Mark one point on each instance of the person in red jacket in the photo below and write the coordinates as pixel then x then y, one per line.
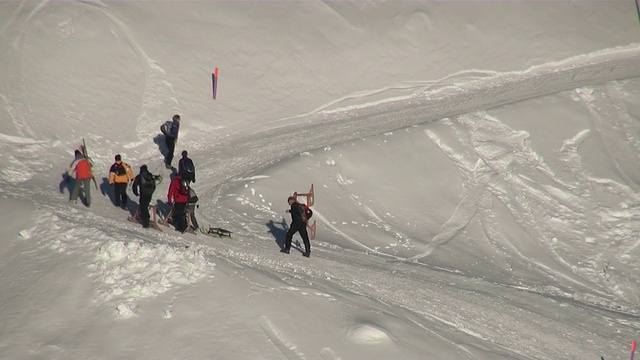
pixel 178 197
pixel 80 169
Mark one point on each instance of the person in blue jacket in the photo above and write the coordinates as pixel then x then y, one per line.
pixel 171 139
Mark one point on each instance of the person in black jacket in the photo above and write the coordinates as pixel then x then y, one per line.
pixel 186 169
pixel 144 185
pixel 298 225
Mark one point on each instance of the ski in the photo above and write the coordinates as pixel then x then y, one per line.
pixel 86 156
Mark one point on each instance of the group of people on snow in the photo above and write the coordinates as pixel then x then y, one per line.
pixel 180 196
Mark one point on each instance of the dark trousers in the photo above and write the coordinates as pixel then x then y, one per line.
pixel 145 200
pixel 300 228
pixel 121 194
pixel 179 217
pixel 170 141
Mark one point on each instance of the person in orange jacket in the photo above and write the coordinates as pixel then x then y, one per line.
pixel 80 169
pixel 119 175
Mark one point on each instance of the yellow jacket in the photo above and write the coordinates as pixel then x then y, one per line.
pixel 120 173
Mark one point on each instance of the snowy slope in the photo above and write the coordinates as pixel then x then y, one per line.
pixel 473 163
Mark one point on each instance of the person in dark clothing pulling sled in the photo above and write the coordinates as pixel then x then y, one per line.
pixel 144 185
pixel 298 225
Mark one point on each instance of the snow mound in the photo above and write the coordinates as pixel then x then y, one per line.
pixel 129 271
pixel 367 334
pixel 125 311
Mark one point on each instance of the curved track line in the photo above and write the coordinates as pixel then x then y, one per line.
pixel 289 351
pixel 13 18
pixel 154 76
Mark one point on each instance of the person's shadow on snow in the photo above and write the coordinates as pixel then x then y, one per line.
pixel 66 183
pixel 106 189
pixel 162 145
pixel 279 231
pixel 163 209
pixel 132 206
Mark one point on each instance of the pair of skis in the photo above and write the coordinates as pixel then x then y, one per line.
pixel 86 157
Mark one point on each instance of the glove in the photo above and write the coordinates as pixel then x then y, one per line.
pixel 194 180
pixel 288 211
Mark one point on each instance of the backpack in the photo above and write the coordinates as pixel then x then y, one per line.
pixel 166 128
pixel 147 181
pixel 120 170
pixel 184 188
pixel 193 197
pixel 307 213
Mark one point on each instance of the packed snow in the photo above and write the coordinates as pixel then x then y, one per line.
pixel 473 164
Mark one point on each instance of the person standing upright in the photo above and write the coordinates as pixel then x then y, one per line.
pixel 178 197
pixel 144 185
pixel 186 169
pixel 119 175
pixel 80 169
pixel 298 225
pixel 171 139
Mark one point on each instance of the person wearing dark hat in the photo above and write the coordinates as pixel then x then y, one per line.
pixel 80 170
pixel 171 139
pixel 298 225
pixel 144 185
pixel 178 198
pixel 186 169
pixel 119 175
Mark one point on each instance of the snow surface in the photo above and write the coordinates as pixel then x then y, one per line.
pixel 474 165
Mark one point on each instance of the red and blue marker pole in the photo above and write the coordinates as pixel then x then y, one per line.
pixel 214 80
pixel 633 349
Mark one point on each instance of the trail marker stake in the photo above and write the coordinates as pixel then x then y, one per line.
pixel 633 343
pixel 214 82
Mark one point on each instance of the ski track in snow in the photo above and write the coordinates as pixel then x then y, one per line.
pixel 157 91
pixel 289 350
pixel 511 190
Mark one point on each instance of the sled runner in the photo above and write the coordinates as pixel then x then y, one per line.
pixel 309 203
pixel 153 222
pixel 190 228
pixel 219 232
